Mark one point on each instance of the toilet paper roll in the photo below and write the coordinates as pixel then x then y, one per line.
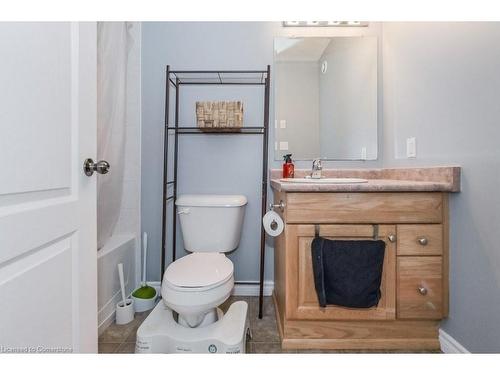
pixel 273 224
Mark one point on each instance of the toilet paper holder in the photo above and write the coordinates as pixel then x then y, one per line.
pixel 280 205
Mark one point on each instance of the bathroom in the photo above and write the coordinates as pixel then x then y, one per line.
pixel 413 169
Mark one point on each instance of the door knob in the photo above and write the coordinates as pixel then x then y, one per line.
pixel 422 290
pixel 422 241
pixel 101 167
pixel 391 237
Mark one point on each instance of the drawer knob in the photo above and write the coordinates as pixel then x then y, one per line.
pixel 391 237
pixel 423 241
pixel 422 290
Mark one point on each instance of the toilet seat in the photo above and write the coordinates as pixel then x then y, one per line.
pixel 194 285
pixel 198 272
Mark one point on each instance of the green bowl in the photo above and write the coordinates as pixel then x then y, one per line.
pixel 144 292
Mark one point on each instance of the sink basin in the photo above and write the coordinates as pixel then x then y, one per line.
pixel 325 180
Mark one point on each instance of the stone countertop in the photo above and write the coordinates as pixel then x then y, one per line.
pixel 445 179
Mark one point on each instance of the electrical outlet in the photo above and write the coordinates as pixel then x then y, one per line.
pixel 282 124
pixel 411 147
pixel 283 146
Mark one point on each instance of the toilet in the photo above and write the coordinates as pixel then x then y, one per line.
pixel 196 284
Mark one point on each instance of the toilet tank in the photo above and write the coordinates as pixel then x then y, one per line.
pixel 211 223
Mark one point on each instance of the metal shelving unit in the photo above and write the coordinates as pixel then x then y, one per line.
pixel 175 79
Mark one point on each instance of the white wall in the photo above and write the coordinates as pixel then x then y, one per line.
pixel 442 86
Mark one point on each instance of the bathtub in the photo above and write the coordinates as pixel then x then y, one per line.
pixel 118 249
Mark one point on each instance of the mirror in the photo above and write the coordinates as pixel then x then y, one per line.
pixel 326 98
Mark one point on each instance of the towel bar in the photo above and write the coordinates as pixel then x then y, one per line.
pixel 280 205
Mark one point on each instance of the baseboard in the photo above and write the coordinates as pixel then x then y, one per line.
pixel 252 289
pixel 449 345
pixel 106 315
pixel 106 322
pixel 240 288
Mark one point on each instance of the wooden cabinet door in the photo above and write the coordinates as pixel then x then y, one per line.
pixel 420 287
pixel 301 298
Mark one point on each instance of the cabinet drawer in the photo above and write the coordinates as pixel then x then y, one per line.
pixel 420 239
pixel 420 288
pixel 361 208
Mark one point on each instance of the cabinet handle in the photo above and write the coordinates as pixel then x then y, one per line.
pixel 391 237
pixel 422 290
pixel 422 241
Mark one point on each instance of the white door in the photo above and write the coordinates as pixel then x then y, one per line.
pixel 47 204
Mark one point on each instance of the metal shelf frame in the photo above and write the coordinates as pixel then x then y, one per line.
pixel 175 79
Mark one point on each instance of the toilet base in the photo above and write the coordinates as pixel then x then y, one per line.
pixel 209 318
pixel 160 333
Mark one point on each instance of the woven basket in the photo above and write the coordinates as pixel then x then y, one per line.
pixel 218 116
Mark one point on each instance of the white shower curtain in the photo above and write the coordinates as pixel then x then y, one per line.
pixel 112 51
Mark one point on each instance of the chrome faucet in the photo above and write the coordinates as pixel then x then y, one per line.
pixel 316 168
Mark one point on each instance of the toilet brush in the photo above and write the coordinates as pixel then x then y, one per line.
pixel 122 283
pixel 124 309
pixel 145 291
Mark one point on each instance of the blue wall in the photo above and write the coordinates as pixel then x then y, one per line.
pixel 211 164
pixel 444 91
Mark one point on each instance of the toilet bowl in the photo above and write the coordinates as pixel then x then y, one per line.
pixel 195 285
pixel 189 319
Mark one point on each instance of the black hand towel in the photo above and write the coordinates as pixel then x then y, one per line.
pixel 347 273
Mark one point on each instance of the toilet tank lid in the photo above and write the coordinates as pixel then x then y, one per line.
pixel 211 200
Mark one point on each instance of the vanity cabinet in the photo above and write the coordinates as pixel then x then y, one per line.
pixel 414 289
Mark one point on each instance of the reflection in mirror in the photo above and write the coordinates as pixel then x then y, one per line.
pixel 326 98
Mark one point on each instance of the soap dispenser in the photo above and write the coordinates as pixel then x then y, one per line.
pixel 288 167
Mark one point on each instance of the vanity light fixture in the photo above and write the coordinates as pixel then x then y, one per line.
pixel 325 24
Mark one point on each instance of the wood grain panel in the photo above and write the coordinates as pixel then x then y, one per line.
pixel 360 208
pixel 415 272
pixel 409 236
pixel 361 335
pixel 405 319
pixel 356 345
pixel 446 254
pixel 280 268
pixel 301 294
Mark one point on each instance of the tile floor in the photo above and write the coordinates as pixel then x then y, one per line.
pixel 121 339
